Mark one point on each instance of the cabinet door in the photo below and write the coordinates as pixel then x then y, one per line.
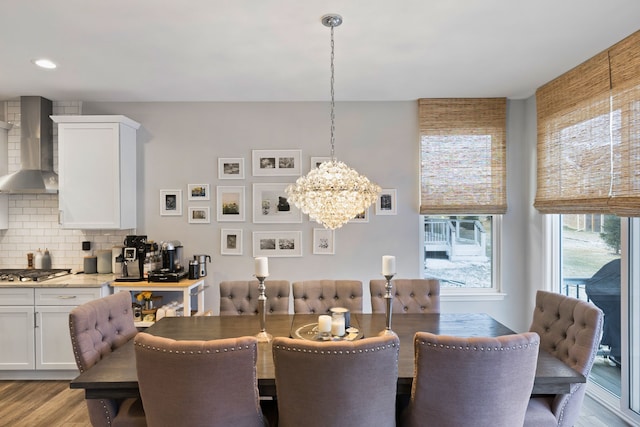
pixel 90 176
pixel 16 337
pixel 53 342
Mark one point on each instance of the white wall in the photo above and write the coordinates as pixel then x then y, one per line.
pixel 179 144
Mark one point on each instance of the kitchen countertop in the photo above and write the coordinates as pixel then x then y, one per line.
pixel 68 281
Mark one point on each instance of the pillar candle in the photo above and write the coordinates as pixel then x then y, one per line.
pixel 324 324
pixel 262 267
pixel 337 326
pixel 388 265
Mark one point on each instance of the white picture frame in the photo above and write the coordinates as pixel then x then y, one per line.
pixel 276 162
pixel 361 218
pixel 199 215
pixel 317 161
pixel 270 205
pixel 230 168
pixel 386 203
pixel 231 241
pixel 277 243
pixel 230 203
pixel 171 202
pixel 198 192
pixel 323 241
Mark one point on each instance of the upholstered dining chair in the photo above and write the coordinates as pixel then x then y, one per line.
pixel 409 296
pixel 336 383
pixel 240 297
pixel 479 381
pixel 319 296
pixel 97 328
pixel 198 383
pixel 569 329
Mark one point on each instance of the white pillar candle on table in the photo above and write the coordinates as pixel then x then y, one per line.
pixel 324 324
pixel 337 326
pixel 262 267
pixel 388 265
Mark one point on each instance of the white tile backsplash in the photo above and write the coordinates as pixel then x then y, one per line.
pixel 33 218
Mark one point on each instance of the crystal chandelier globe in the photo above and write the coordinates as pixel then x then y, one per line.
pixel 332 193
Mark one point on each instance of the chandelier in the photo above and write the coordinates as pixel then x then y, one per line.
pixel 332 193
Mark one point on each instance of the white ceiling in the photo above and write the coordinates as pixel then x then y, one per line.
pixel 278 50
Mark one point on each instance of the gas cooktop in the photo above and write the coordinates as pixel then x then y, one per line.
pixel 31 275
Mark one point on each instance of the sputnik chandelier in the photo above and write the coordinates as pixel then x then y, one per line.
pixel 332 193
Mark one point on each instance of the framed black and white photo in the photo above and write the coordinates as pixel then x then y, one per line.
pixel 270 205
pixel 231 242
pixel 276 162
pixel 199 215
pixel 317 161
pixel 277 243
pixel 198 191
pixel 323 241
pixel 231 168
pixel 171 202
pixel 361 217
pixel 230 203
pixel 386 203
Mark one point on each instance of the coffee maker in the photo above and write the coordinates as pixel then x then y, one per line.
pixel 135 249
pixel 172 270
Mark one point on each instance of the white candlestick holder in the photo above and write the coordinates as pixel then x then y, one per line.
pixel 388 299
pixel 262 336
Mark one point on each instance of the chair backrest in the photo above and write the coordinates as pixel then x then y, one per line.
pixel 240 297
pixel 198 383
pixel 409 296
pixel 569 329
pixel 97 328
pixel 336 383
pixel 480 381
pixel 319 296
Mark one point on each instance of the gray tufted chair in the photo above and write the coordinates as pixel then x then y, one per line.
pixel 240 297
pixel 318 296
pixel 409 296
pixel 199 383
pixel 479 381
pixel 569 329
pixel 97 328
pixel 336 383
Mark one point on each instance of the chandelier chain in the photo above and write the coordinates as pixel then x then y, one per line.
pixel 333 116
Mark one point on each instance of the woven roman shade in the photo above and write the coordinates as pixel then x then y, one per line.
pixel 463 156
pixel 574 150
pixel 625 102
pixel 589 135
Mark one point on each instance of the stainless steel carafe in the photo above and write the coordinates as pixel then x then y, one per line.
pixel 202 261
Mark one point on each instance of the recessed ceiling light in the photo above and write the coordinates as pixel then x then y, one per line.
pixel 45 63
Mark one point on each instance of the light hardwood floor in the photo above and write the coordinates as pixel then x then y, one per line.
pixel 54 404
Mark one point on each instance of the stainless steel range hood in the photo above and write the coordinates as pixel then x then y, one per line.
pixel 36 174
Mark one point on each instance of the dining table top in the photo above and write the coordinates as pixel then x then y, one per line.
pixel 115 375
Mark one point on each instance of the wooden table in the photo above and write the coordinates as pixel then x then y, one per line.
pixel 115 375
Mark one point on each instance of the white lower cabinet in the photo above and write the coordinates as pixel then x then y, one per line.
pixel 34 329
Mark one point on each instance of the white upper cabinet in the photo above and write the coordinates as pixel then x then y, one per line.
pixel 97 172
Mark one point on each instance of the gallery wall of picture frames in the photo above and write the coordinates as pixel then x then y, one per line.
pixel 268 205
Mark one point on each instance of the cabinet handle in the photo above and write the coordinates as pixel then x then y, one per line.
pixel 67 296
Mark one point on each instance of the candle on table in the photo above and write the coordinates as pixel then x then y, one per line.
pixel 388 265
pixel 337 326
pixel 324 324
pixel 262 267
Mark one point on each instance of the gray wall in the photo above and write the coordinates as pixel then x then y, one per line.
pixel 179 144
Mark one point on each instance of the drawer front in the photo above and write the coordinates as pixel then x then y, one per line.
pixel 65 296
pixel 16 296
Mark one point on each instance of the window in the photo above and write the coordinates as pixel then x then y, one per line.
pixel 459 251
pixel 463 190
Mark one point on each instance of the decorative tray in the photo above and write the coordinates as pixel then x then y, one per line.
pixel 309 332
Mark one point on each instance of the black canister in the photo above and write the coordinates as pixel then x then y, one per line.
pixel 194 269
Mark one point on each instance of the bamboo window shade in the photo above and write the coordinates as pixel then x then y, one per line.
pixel 588 135
pixel 463 156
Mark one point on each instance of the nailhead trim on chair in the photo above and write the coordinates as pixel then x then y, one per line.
pixel 476 348
pixel 165 350
pixel 316 351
